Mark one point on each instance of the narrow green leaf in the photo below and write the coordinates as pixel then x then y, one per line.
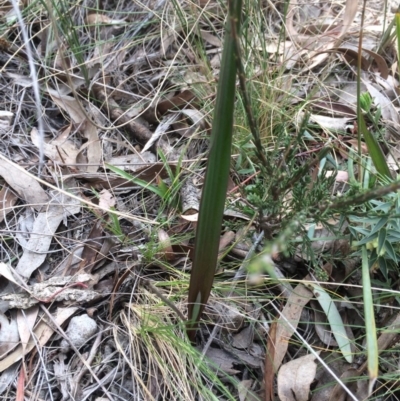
pixel 382 222
pixel 383 266
pixel 334 320
pixel 393 235
pixel 366 240
pixel 167 167
pixel 374 149
pixel 144 184
pixel 370 328
pixel 390 251
pixel 381 242
pixel 216 179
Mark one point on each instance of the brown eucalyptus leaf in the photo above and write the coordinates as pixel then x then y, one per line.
pixel 295 378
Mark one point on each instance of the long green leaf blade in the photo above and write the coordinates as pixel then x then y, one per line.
pixel 334 319
pixel 374 148
pixel 216 180
pixel 144 184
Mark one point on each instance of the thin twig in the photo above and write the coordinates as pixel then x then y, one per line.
pixel 362 198
pixel 35 84
pixel 89 360
pixel 78 354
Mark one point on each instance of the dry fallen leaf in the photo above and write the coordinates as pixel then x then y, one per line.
pixel 42 333
pixel 60 150
pixel 314 46
pixel 91 250
pixel 244 391
pixel 87 128
pixel 297 300
pixel 106 199
pixel 9 337
pixel 226 239
pixel 222 360
pixel 211 39
pixel 26 320
pixel 381 100
pixel 133 162
pixel 5 271
pixel 24 185
pixel 269 371
pixel 44 227
pixel 295 378
pixel 331 123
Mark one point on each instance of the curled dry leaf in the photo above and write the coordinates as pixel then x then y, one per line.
pixel 190 197
pixel 198 122
pixel 354 143
pixel 190 217
pixel 295 378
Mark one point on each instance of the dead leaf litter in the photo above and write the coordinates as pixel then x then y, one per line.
pixel 98 216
